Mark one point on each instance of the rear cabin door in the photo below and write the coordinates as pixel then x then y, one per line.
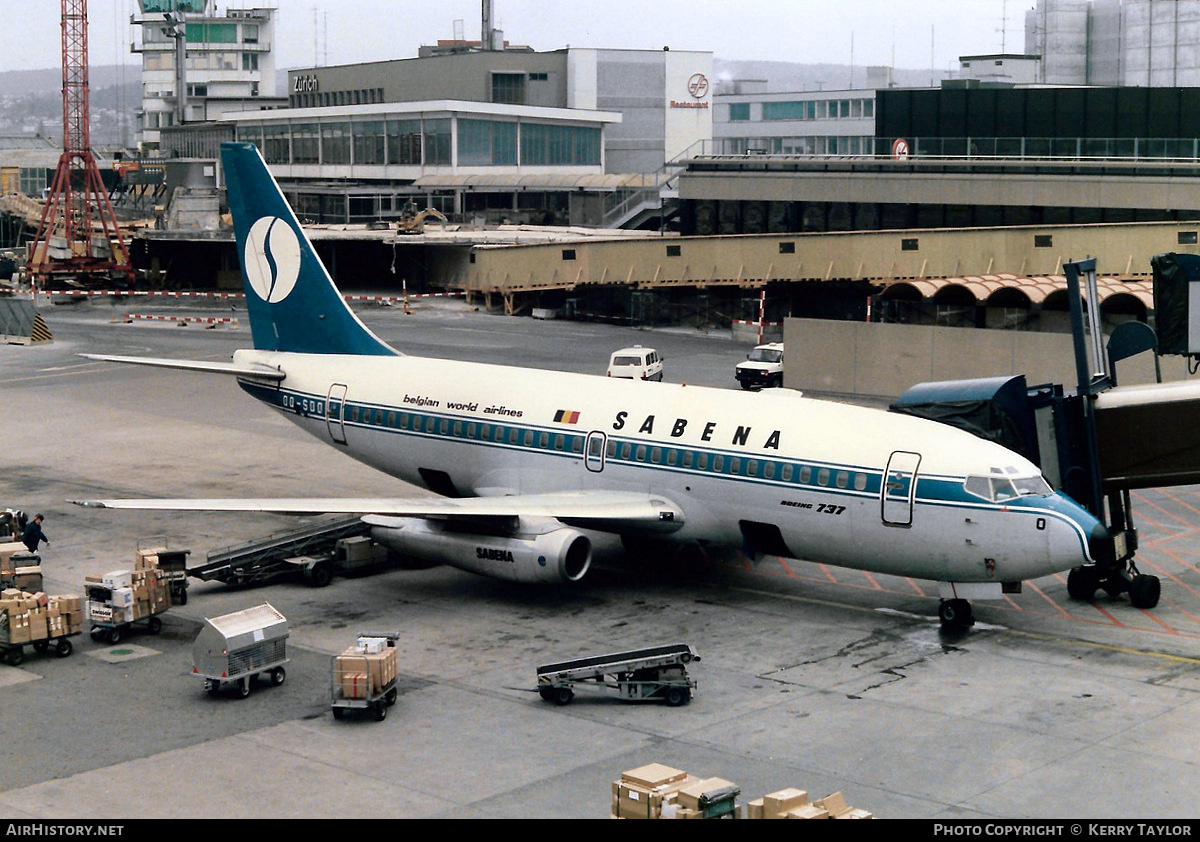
pixel 335 413
pixel 593 451
pixel 899 488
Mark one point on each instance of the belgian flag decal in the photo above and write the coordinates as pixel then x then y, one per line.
pixel 566 416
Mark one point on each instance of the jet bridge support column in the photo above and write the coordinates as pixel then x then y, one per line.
pixel 1114 570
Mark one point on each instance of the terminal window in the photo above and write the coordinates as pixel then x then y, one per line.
pixel 509 88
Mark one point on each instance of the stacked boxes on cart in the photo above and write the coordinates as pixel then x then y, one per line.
pixel 363 670
pixel 131 594
pixel 661 792
pixel 28 617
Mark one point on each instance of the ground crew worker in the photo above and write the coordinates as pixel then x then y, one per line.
pixel 33 535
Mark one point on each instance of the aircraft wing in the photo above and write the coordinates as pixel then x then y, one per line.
pixel 261 372
pixel 609 511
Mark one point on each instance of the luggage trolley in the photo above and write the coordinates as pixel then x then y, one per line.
pixel 236 648
pixel 658 673
pixel 364 676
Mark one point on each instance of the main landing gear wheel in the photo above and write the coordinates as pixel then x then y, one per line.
pixel 956 614
pixel 1144 591
pixel 1082 583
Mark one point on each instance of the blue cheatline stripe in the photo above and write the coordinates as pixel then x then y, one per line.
pixel 623 452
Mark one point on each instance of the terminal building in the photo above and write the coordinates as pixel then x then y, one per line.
pixel 572 136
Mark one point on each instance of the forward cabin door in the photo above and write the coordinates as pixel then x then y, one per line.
pixel 335 413
pixel 900 488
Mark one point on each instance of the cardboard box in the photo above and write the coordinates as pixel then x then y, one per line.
pixel 37 625
pixel 354 685
pixel 117 579
pixel 16 627
pixel 28 578
pixel 777 803
pixel 836 805
pixel 642 793
pixel 653 775
pixel 806 811
pixel 67 603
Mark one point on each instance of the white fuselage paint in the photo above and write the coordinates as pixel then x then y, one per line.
pixel 812 468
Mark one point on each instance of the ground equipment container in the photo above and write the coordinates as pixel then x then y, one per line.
pixel 235 648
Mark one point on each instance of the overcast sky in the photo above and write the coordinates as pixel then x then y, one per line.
pixel 902 33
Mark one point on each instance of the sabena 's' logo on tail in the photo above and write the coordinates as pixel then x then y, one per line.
pixel 272 259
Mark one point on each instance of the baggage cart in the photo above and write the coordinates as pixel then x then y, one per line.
pixel 656 673
pixel 21 627
pixel 171 564
pixel 113 610
pixel 13 654
pixel 236 648
pixel 354 688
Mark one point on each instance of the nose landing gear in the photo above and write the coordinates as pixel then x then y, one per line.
pixel 956 614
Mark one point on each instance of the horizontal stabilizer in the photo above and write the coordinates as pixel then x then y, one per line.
pixel 258 372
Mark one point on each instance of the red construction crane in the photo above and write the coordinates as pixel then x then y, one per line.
pixel 78 240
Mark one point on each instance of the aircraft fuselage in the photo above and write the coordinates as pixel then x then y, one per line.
pixel 787 475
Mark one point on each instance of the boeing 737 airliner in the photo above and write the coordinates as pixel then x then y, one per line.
pixel 526 461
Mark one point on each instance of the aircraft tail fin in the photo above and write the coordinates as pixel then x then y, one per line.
pixel 291 301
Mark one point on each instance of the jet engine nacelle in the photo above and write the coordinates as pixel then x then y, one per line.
pixel 556 554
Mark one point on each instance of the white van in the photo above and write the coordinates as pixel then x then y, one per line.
pixel 763 367
pixel 636 363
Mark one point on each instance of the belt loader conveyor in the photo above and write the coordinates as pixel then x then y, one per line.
pixel 659 672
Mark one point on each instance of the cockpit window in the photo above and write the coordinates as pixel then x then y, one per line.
pixel 1028 486
pixel 1000 488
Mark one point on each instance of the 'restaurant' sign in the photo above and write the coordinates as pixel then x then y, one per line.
pixel 697 88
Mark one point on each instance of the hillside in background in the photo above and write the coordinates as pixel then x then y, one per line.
pixel 791 77
pixel 31 103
